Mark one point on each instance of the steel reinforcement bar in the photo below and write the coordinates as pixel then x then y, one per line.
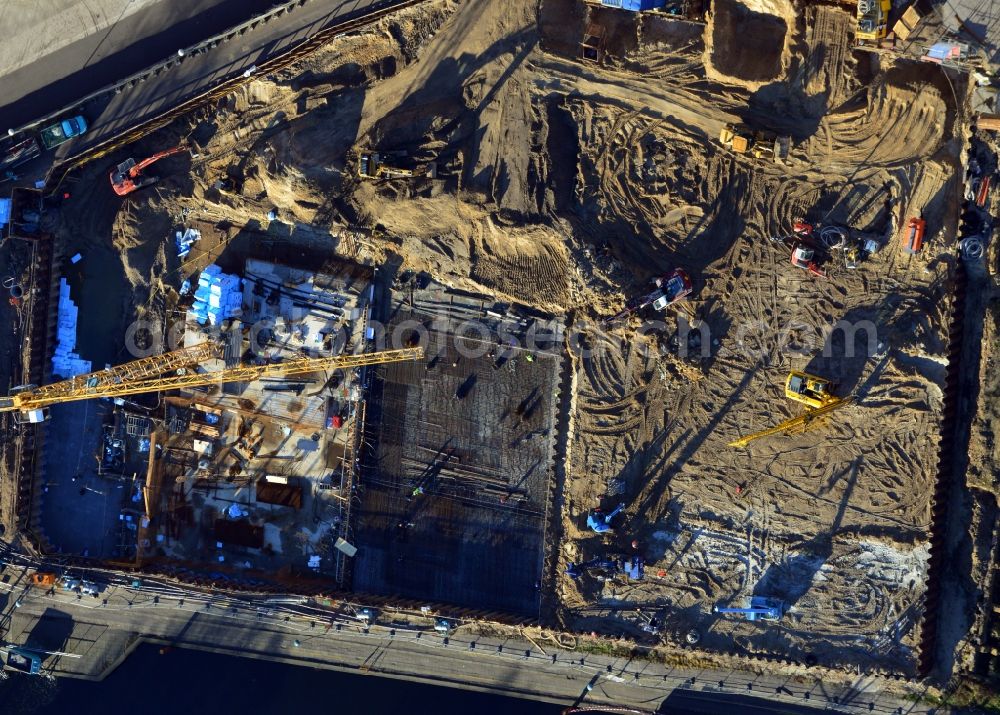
pixel 222 87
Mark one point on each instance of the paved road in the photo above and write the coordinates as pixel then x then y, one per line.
pixel 102 631
pixel 109 115
pixel 115 47
pixel 694 702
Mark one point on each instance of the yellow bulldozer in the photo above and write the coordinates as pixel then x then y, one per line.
pixel 740 139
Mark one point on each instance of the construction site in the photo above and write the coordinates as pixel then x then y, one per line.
pixel 636 325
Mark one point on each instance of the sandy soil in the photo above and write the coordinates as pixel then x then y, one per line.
pixel 984 452
pixel 568 186
pixel 763 52
pixel 833 521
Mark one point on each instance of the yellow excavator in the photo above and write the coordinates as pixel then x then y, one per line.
pixel 873 20
pixel 810 390
pixel 373 165
pixel 815 392
pixel 149 375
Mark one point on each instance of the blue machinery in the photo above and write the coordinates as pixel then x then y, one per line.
pixel 761 609
pixel 633 567
pixel 600 522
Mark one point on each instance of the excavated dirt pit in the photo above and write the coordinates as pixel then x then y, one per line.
pixel 622 30
pixel 748 45
pixel 561 24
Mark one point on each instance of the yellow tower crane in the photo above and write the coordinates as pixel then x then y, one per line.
pixel 143 376
pixel 143 368
pixel 814 392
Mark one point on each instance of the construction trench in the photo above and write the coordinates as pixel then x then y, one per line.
pixel 561 189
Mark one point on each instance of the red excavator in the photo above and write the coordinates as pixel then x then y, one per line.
pixel 803 246
pixel 127 176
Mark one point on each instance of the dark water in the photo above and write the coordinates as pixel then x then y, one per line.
pixel 185 682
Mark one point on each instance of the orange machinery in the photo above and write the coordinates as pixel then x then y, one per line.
pixel 128 177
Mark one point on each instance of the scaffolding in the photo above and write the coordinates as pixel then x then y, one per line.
pixel 592 45
pixel 136 426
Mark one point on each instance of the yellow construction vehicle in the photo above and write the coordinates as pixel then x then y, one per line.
pixel 373 165
pixel 810 390
pixel 143 376
pixel 740 139
pixel 873 20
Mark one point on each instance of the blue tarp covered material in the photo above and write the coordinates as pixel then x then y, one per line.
pixel 4 212
pixel 944 51
pixel 185 240
pixel 635 5
pixel 219 296
pixel 65 362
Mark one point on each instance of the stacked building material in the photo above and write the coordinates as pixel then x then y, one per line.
pixel 185 240
pixel 219 296
pixel 65 362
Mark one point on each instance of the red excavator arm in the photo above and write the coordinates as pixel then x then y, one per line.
pixel 127 176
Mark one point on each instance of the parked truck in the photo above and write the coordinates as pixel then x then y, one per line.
pixel 61 132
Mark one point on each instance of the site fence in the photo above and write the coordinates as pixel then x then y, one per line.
pixel 217 90
pixel 26 450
